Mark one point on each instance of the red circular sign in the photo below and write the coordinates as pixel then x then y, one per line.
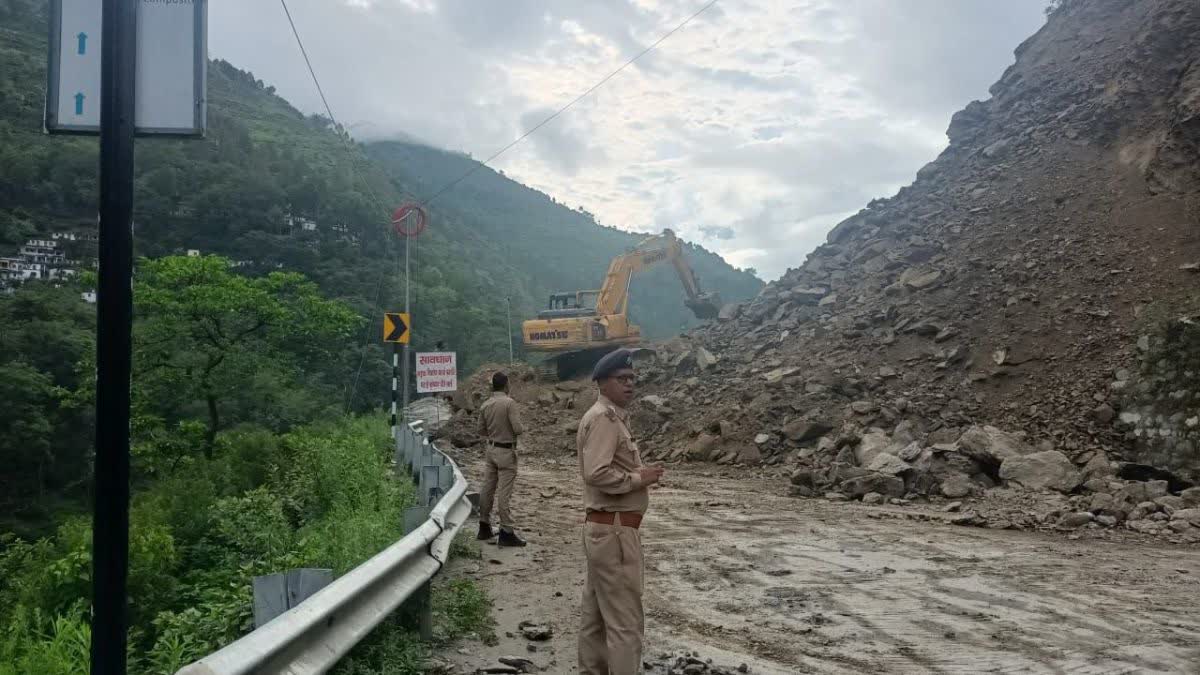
pixel 409 219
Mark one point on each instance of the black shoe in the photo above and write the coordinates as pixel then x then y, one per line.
pixel 485 532
pixel 509 539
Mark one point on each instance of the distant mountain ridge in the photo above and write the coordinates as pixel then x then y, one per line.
pixel 273 188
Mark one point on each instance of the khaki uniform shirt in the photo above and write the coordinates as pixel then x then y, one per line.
pixel 499 419
pixel 609 461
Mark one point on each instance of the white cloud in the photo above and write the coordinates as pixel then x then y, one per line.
pixel 753 130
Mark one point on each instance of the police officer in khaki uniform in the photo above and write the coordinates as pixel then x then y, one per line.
pixel 500 425
pixel 615 494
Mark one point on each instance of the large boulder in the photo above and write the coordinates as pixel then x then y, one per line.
pixel 890 486
pixel 1191 496
pixel 1098 467
pixel 704 447
pixel 749 454
pixel 1047 470
pixel 990 446
pixel 870 446
pixel 887 464
pixel 1137 492
pixel 919 279
pixel 1191 516
pixel 956 485
pixel 802 430
pixel 704 358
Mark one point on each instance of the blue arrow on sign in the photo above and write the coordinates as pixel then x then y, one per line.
pixel 79 103
pixel 82 43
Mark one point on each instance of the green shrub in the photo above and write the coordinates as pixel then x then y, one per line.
pixel 34 643
pixel 200 530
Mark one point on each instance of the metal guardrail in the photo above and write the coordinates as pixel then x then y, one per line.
pixel 312 636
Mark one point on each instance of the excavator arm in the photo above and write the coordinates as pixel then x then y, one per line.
pixel 614 295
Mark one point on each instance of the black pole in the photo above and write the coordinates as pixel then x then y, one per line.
pixel 114 328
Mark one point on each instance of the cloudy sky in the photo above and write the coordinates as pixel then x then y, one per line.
pixel 753 130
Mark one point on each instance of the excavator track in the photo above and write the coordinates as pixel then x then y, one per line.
pixel 569 365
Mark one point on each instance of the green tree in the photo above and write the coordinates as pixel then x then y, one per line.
pixel 45 349
pixel 26 417
pixel 206 334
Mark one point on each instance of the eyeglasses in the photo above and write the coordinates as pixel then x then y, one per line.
pixel 626 379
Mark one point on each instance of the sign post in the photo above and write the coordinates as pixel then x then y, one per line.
pixel 395 331
pixel 114 337
pixel 437 372
pixel 119 68
pixel 409 221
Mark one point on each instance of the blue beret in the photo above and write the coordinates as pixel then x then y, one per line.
pixel 612 362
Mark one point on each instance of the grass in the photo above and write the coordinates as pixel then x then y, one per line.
pixel 465 546
pixel 461 608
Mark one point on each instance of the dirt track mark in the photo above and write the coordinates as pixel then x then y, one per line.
pixel 793 586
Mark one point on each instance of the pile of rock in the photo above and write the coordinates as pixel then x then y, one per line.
pixel 689 664
pixel 903 464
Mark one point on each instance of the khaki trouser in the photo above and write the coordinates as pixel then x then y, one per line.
pixel 499 477
pixel 612 624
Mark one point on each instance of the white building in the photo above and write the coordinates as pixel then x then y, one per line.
pixel 88 297
pixel 38 259
pixel 301 222
pixel 43 251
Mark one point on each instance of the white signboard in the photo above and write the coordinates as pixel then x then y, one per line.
pixel 172 65
pixel 436 371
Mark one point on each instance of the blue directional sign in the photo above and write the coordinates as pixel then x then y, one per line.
pixel 171 67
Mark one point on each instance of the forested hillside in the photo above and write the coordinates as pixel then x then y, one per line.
pixel 273 188
pixel 527 235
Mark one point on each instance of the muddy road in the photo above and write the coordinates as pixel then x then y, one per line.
pixel 742 575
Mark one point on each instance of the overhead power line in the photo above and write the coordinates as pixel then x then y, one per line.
pixel 577 99
pixel 447 187
pixel 353 388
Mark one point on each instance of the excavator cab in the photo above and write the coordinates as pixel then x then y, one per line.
pixel 569 305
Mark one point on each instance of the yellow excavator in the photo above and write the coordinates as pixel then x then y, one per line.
pixel 580 327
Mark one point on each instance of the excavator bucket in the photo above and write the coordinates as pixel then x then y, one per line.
pixel 705 306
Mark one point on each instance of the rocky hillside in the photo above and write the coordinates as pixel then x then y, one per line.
pixel 1012 281
pixel 1014 324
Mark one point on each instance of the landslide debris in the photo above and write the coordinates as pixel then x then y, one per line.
pixel 978 337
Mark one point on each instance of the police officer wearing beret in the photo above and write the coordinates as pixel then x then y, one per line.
pixel 616 495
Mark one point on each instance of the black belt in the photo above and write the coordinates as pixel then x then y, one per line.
pixel 507 446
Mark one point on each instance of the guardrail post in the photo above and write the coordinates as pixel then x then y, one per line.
pixel 422 599
pixel 424 602
pixel 429 485
pixel 401 444
pixel 416 461
pixel 413 517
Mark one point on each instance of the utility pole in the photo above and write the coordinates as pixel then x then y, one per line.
pixel 408 311
pixel 509 327
pixel 114 337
